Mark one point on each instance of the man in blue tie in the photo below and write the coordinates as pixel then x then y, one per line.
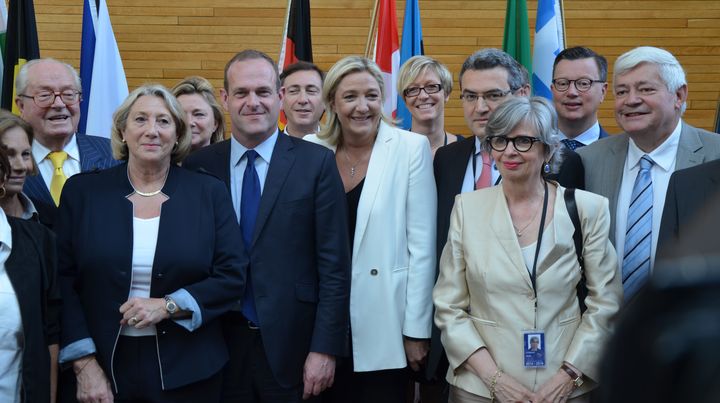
pixel 633 169
pixel 579 85
pixel 291 206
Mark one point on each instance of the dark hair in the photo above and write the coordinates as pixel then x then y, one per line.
pixel 301 66
pixel 580 52
pixel 250 54
pixel 4 166
pixel 490 58
pixel 9 121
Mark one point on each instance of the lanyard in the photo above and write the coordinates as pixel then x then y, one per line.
pixel 539 241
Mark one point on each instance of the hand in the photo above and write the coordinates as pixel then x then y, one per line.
pixel 556 389
pixel 92 384
pixel 318 373
pixel 507 389
pixel 143 312
pixel 416 351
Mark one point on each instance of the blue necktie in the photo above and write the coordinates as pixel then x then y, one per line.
pixel 249 203
pixel 571 144
pixel 638 236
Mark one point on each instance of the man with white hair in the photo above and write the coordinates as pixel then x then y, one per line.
pixel 633 169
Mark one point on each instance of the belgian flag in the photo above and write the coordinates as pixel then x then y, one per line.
pixel 21 45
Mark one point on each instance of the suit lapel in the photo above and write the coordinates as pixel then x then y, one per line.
pixel 223 158
pixel 283 159
pixel 501 225
pixel 690 151
pixel 35 187
pixel 373 179
pixel 458 165
pixel 89 155
pixel 613 175
pixel 561 224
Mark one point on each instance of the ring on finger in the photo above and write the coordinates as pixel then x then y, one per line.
pixel 133 321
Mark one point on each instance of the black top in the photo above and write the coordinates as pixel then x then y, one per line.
pixel 353 199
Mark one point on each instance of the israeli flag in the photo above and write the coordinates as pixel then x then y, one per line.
pixel 549 41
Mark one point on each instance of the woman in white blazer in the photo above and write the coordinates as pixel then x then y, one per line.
pixel 506 299
pixel 387 173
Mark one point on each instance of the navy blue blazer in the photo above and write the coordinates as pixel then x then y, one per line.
pixel 95 154
pixel 300 253
pixel 199 248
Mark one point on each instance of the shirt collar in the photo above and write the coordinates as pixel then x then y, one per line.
pixel 588 136
pixel 663 156
pixel 5 231
pixel 29 210
pixel 40 152
pixel 263 149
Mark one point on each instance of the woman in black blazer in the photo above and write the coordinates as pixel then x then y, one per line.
pixel 32 314
pixel 150 256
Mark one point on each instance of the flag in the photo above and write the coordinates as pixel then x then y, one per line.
pixel 387 53
pixel 297 40
pixel 3 32
pixel 21 46
pixel 549 41
pixel 412 45
pixel 516 40
pixel 101 71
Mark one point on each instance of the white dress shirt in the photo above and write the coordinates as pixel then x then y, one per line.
pixel 145 236
pixel 11 329
pixel 469 180
pixel 70 167
pixel 664 157
pixel 238 164
pixel 589 136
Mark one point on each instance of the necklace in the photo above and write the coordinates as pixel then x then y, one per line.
pixel 520 232
pixel 353 167
pixel 148 194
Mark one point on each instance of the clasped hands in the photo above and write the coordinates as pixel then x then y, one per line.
pixel 143 312
pixel 556 390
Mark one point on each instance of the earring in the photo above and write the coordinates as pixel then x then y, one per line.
pixel 546 168
pixel 2 191
pixel 123 140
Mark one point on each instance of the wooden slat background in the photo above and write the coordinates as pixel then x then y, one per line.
pixel 164 41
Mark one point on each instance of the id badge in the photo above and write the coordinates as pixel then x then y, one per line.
pixel 534 349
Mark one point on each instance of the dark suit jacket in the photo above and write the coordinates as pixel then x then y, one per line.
pixel 691 216
pixel 31 268
pixel 95 154
pixel 299 256
pixel 199 248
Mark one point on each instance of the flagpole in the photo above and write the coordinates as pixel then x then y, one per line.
pixel 562 18
pixel 281 60
pixel 373 25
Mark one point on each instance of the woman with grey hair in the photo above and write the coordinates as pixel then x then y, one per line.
pixel 142 297
pixel 509 272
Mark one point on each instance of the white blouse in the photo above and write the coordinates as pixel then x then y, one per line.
pixel 145 234
pixel 11 329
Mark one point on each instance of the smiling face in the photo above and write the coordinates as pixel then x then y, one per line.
pixel 575 107
pixel 17 146
pixel 302 101
pixel 426 107
pixel 480 82
pixel 358 104
pixel 54 125
pixel 518 166
pixel 150 131
pixel 200 118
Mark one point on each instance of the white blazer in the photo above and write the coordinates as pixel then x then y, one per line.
pixel 393 263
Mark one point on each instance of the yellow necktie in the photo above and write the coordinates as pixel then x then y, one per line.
pixel 58 179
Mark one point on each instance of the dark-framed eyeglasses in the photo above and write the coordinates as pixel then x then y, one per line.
pixel 581 84
pixel 44 99
pixel 521 143
pixel 492 97
pixel 412 92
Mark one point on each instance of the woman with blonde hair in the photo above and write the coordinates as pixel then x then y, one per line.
pixel 204 115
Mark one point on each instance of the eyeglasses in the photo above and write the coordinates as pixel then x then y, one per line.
pixel 45 99
pixel 412 92
pixel 492 97
pixel 581 84
pixel 521 143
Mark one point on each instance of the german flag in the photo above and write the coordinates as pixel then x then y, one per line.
pixel 21 46
pixel 297 41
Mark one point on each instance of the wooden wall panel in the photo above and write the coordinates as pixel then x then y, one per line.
pixel 164 41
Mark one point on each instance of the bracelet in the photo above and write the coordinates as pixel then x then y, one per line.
pixel 493 383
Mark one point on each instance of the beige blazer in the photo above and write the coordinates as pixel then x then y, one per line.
pixel 393 262
pixel 484 295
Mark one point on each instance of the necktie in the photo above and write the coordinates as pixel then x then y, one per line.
pixel 249 203
pixel 58 179
pixel 572 144
pixel 485 175
pixel 638 236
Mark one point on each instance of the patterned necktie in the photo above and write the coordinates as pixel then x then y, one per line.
pixel 249 203
pixel 57 158
pixel 571 144
pixel 485 175
pixel 638 236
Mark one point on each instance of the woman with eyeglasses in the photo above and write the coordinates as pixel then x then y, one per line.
pixel 425 85
pixel 506 298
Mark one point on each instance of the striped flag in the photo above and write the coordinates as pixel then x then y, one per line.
pixel 412 45
pixel 101 71
pixel 387 53
pixel 549 41
pixel 297 40
pixel 21 46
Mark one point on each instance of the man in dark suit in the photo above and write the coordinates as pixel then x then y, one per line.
pixel 48 98
pixel 578 88
pixel 294 319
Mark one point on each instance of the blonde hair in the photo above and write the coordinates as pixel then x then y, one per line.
pixel 201 86
pixel 417 65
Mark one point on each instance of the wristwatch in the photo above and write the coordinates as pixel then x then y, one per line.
pixel 170 306
pixel 577 379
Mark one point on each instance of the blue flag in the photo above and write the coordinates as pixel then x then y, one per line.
pixel 412 45
pixel 549 41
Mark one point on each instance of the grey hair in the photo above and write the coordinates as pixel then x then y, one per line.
pixel 669 68
pixel 21 81
pixel 535 112
pixel 486 59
